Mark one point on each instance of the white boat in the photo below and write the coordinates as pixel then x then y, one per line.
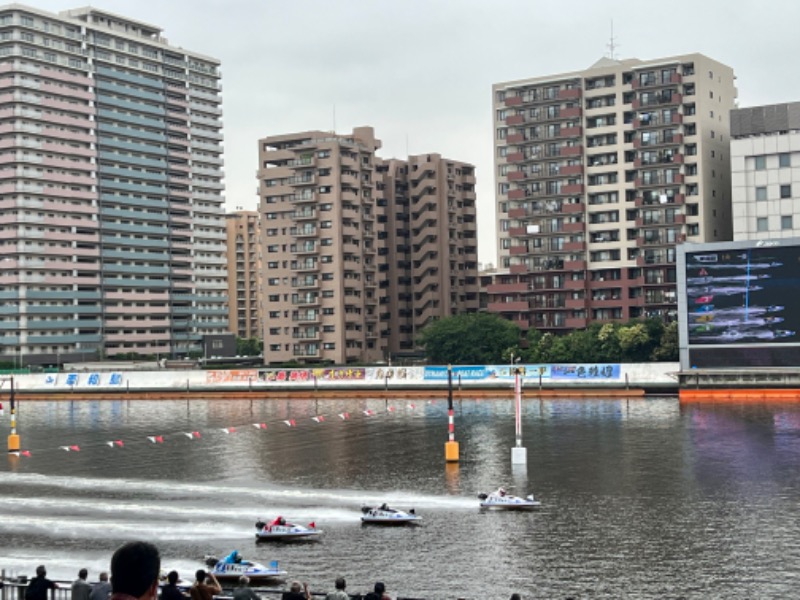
pixel 285 531
pixel 231 571
pixel 383 515
pixel 502 500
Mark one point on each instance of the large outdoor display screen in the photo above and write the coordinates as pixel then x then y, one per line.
pixel 747 296
pixel 739 304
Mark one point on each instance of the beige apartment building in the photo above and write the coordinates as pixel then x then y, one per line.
pixel 599 174
pixel 431 242
pixel 244 274
pixel 358 252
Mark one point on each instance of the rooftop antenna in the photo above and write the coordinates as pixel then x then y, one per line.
pixel 612 45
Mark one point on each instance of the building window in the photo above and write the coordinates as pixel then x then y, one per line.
pixel 786 222
pixel 784 159
pixel 762 224
pixel 786 191
pixel 761 193
pixel 761 163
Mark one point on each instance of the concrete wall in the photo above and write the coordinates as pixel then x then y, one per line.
pixel 637 375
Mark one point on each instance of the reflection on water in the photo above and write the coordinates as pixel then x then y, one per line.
pixel 641 498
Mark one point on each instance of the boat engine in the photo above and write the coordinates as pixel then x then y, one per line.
pixel 365 509
pixel 482 496
pixel 260 525
pixel 211 561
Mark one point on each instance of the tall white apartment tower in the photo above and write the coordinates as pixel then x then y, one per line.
pixel 599 174
pixel 112 227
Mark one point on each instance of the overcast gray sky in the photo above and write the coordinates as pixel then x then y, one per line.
pixel 420 71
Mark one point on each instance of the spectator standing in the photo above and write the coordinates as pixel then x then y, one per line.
pixel 39 586
pixel 102 589
pixel 244 591
pixel 297 592
pixel 80 587
pixel 378 593
pixel 135 567
pixel 205 589
pixel 338 593
pixel 171 591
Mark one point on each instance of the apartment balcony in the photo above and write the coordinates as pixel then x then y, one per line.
pixel 576 150
pixel 515 120
pixel 513 101
pixel 516 175
pixel 657 120
pixel 515 157
pixel 666 201
pixel 515 138
pixel 517 269
pixel 575 284
pixel 574 246
pixel 575 303
pixel 507 288
pixel 505 307
pixel 576 322
pixel 569 132
pixel 574 227
pixel 674 159
pixel 518 213
pixel 570 170
pixel 658 100
pixel 652 82
pixel 577 207
pixel 676 179
pixel 575 265
pixel 570 94
pixel 659 140
pixel 517 250
pixel 517 194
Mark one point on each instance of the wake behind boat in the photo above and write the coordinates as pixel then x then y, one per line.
pixel 280 530
pixel 502 500
pixel 233 566
pixel 383 515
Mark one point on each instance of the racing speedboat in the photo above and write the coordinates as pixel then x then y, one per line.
pixel 228 569
pixel 501 499
pixel 285 531
pixel 383 515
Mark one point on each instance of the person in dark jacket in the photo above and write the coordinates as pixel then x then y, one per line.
pixel 171 591
pixel 40 586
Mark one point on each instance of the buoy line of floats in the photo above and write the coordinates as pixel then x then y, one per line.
pixel 193 435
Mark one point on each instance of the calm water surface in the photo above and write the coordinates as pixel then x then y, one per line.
pixel 641 498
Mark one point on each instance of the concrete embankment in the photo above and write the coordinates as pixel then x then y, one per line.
pixel 103 381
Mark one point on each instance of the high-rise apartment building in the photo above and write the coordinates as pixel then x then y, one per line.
pixel 244 274
pixel 113 228
pixel 431 242
pixel 359 252
pixel 765 155
pixel 599 174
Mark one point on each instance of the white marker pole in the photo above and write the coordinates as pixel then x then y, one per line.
pixel 519 455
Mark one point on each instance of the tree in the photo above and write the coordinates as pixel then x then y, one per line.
pixel 632 339
pixel 248 346
pixel 473 338
pixel 667 350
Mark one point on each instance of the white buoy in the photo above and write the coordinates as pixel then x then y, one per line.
pixel 519 454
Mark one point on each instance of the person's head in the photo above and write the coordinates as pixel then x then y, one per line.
pixel 516 597
pixel 103 576
pixel 340 583
pixel 296 588
pixel 379 587
pixel 172 577
pixel 244 581
pixel 200 576
pixel 41 571
pixel 135 567
pixel 83 574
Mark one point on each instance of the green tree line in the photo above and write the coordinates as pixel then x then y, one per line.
pixel 486 338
